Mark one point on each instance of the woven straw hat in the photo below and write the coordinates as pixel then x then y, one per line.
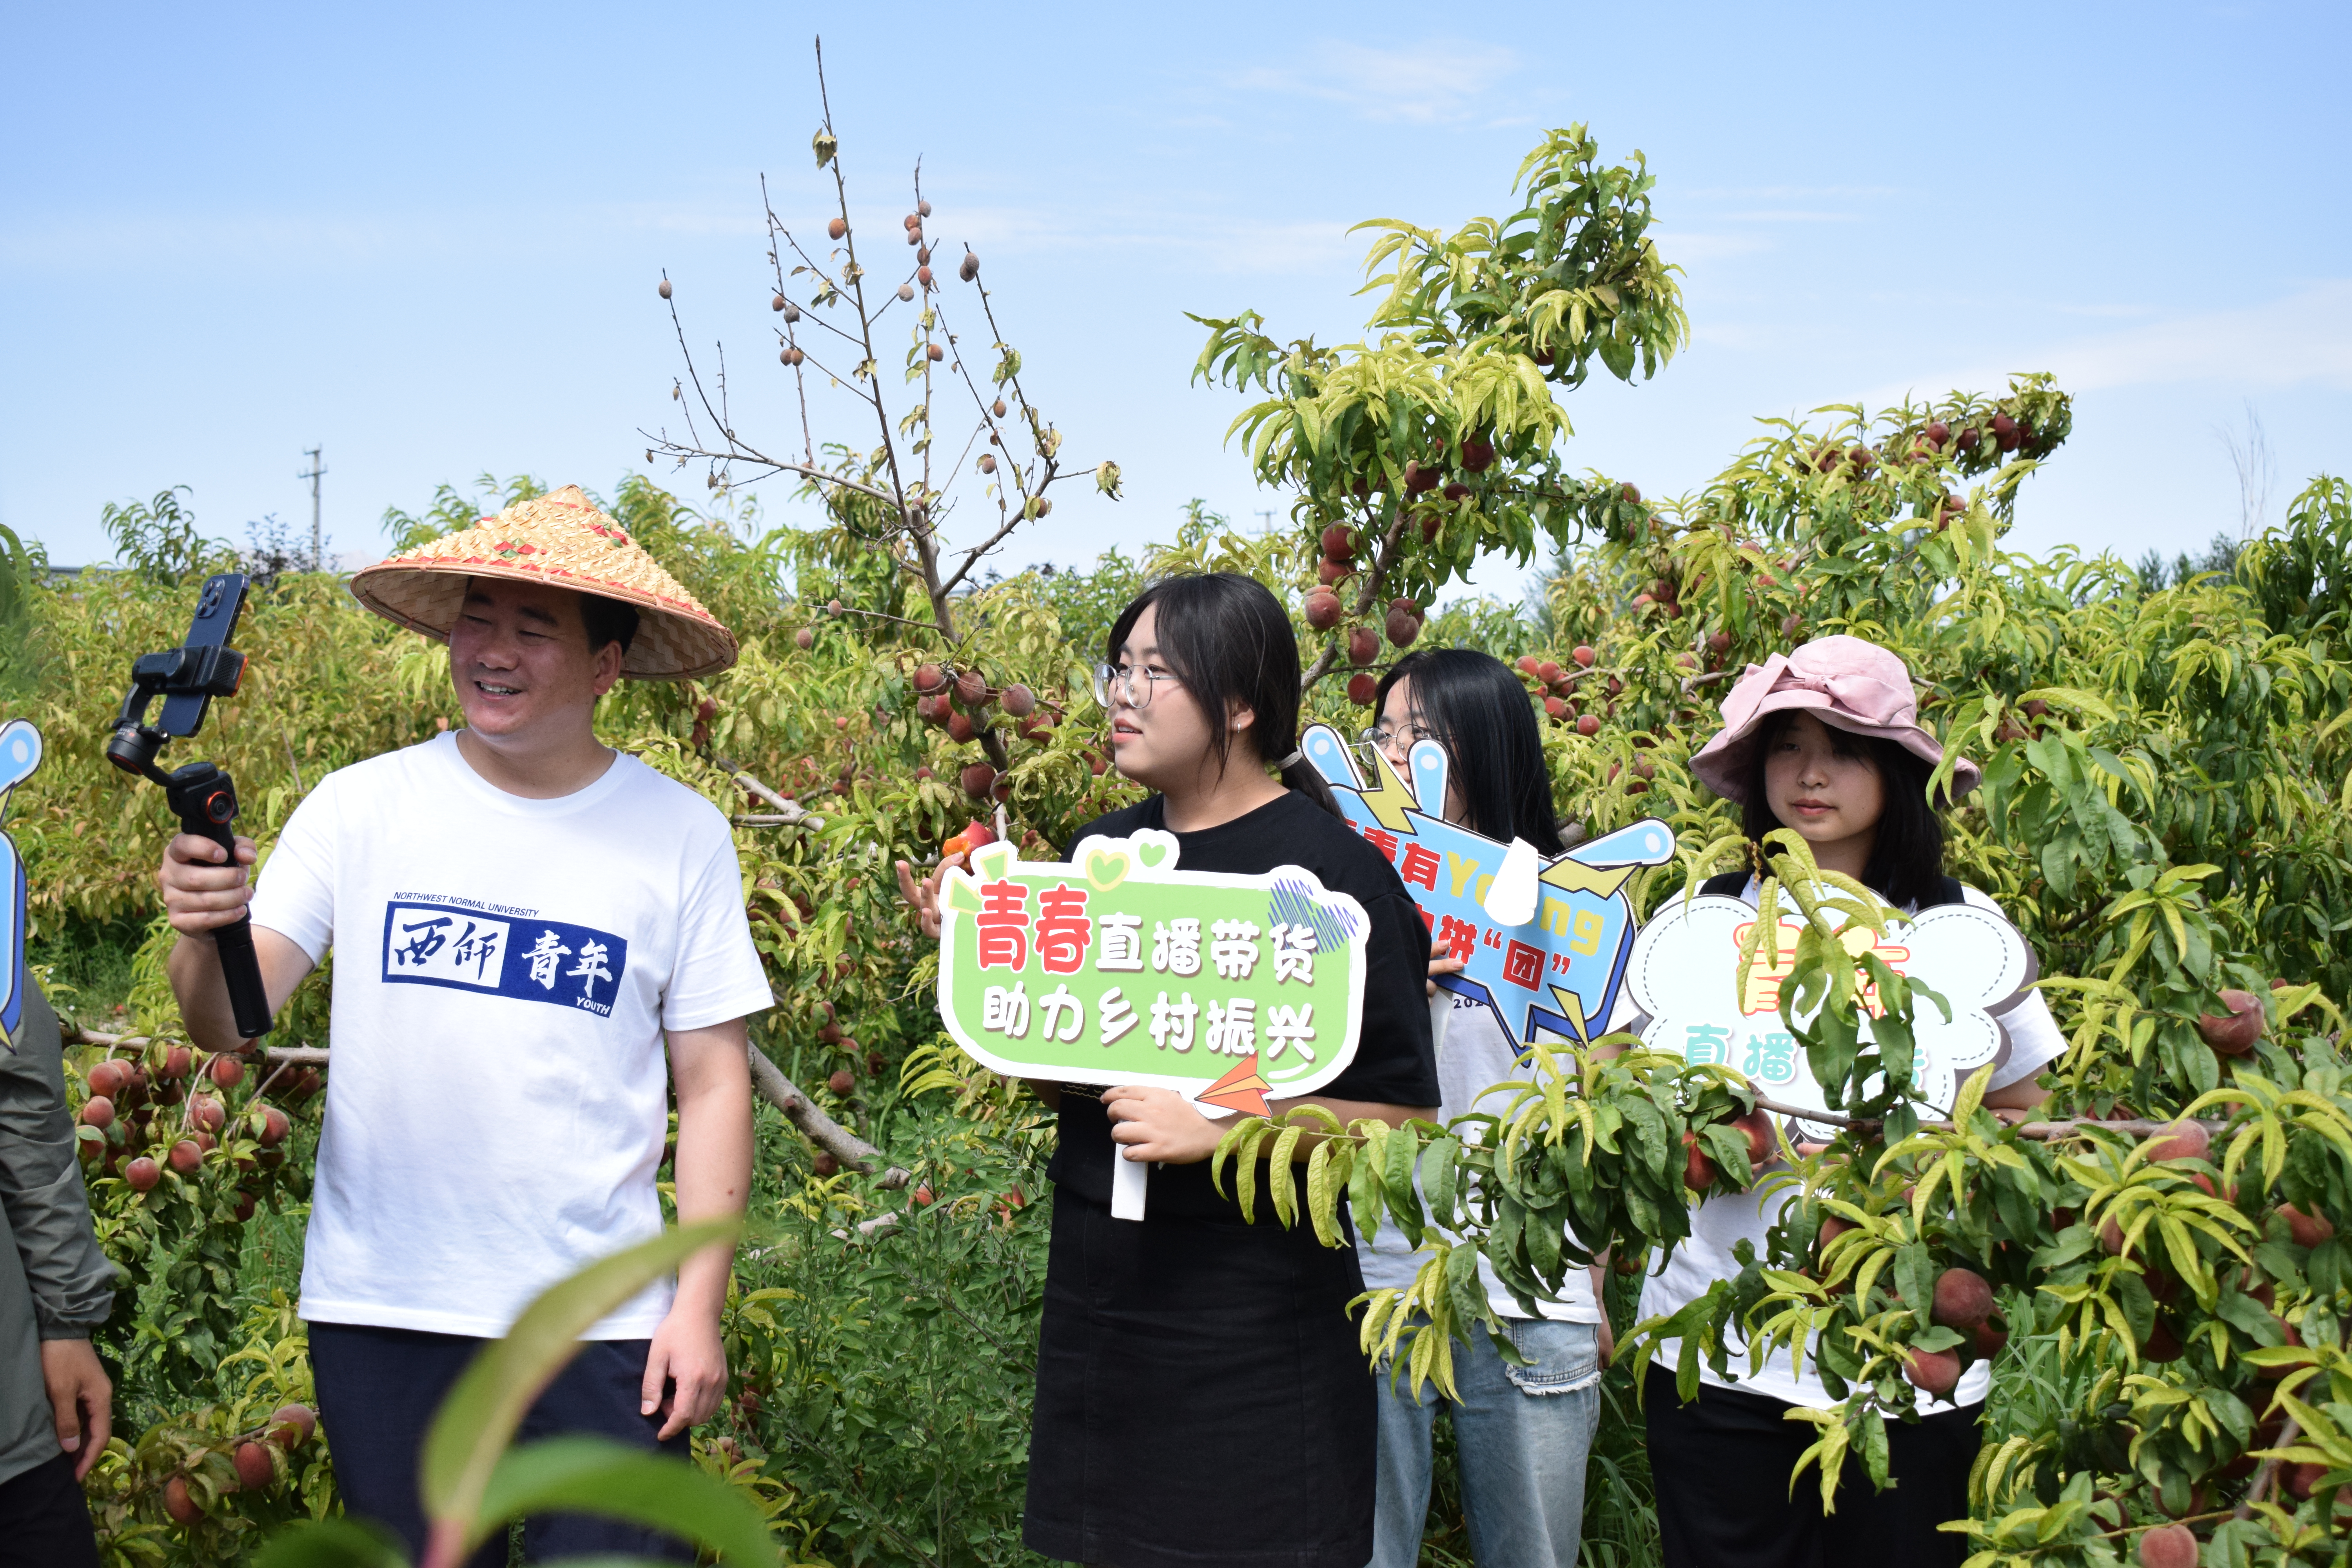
pixel 562 539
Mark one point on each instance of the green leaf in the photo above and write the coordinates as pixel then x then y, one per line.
pixel 478 1417
pixel 331 1543
pixel 1438 1178
pixel 599 1476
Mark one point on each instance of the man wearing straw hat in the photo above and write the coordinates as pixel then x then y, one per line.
pixel 521 916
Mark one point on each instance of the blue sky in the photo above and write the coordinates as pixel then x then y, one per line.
pixel 429 236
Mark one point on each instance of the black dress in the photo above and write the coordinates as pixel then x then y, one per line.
pixel 1199 1395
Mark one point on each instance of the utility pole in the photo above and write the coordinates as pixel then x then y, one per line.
pixel 316 471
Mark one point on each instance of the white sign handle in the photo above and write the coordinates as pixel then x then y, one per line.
pixel 1128 1181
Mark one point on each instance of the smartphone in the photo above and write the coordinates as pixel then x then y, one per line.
pixel 208 667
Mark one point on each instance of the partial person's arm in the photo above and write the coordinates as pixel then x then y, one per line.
pixel 200 894
pixel 68 1283
pixel 713 1171
pixel 2025 1095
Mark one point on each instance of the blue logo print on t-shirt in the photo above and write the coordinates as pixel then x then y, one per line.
pixel 530 960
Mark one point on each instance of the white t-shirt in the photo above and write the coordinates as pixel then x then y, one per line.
pixel 1473 1055
pixel 1723 1221
pixel 506 971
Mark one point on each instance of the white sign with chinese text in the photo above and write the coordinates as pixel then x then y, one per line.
pixel 1684 975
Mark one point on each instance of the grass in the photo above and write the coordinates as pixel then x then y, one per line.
pixel 86 967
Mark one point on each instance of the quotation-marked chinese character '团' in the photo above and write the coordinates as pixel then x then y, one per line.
pixel 1005 1012
pixel 1522 964
pixel 1232 1028
pixel 547 954
pixel 592 965
pixel 1176 947
pixel 1120 949
pixel 1060 1015
pixel 1294 954
pixel 1233 949
pixel 1171 1023
pixel 1004 925
pixel 1063 929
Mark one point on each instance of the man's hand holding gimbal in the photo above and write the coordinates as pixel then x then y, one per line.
pixel 202 892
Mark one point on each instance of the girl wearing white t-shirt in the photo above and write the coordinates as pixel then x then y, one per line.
pixel 1523 1432
pixel 1826 741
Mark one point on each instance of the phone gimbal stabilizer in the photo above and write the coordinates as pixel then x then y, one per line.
pixel 201 795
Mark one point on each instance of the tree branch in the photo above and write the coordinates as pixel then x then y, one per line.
pixel 789 812
pixel 1383 557
pixel 297 1056
pixel 814 1125
pixel 2269 1472
pixel 2045 1131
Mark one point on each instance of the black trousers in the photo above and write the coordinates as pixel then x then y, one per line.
pixel 1721 1467
pixel 379 1388
pixel 44 1519
pixel 1200 1400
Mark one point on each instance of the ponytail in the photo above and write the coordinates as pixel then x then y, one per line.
pixel 1302 776
pixel 1228 639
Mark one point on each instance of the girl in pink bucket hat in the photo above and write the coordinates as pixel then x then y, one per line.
pixel 1826 741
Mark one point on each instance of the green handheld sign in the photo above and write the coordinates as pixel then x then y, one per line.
pixel 1116 967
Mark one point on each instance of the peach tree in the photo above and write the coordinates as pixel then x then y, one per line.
pixel 2153 1263
pixel 1437 439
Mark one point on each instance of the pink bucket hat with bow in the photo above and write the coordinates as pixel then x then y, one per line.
pixel 1856 685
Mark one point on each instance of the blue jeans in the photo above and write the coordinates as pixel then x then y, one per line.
pixel 1523 1433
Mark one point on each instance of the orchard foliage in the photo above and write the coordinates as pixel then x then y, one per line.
pixel 2165 814
pixel 2062 678
pixel 2165 817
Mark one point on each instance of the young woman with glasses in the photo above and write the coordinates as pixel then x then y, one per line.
pixel 1522 1433
pixel 1200 1398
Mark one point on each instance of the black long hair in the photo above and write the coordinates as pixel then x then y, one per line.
pixel 1907 859
pixel 1228 639
pixel 1481 715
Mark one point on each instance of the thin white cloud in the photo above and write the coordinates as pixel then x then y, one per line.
pixel 1421 84
pixel 2300 338
pixel 108 239
pixel 1788 193
pixel 1684 245
pixel 1771 214
pixel 1217 242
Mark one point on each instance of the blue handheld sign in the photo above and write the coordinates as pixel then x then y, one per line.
pixel 1544 938
pixel 20 753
